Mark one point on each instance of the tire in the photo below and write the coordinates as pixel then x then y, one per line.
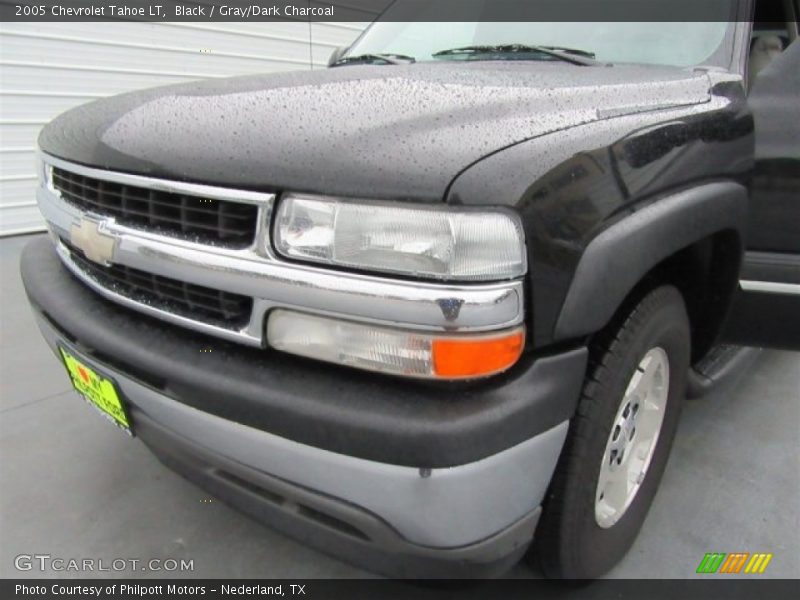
pixel 586 528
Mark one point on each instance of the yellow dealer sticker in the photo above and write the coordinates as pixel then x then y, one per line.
pixel 99 391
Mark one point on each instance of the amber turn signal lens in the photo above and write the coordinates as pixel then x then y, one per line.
pixel 396 351
pixel 476 357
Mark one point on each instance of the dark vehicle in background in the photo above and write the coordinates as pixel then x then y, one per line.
pixel 441 302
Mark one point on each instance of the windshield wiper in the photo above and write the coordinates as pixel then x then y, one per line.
pixel 388 59
pixel 570 55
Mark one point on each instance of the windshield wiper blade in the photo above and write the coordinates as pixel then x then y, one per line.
pixel 575 51
pixel 570 55
pixel 388 58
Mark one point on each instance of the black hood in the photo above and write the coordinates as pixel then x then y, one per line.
pixel 389 131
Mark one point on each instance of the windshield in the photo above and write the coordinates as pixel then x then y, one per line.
pixel 676 44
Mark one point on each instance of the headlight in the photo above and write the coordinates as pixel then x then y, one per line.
pixel 434 243
pixel 408 353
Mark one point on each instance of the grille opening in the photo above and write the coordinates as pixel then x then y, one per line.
pixel 223 309
pixel 204 220
pixel 331 522
pixel 303 510
pixel 250 487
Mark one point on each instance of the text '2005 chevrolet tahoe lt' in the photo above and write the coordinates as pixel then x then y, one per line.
pixel 439 304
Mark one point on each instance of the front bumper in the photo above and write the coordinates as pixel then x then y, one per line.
pixel 462 501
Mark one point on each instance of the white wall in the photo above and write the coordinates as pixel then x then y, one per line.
pixel 46 68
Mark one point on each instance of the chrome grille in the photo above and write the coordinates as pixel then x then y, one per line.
pixel 222 309
pixel 252 276
pixel 205 220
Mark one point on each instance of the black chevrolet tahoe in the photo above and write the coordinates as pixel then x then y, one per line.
pixel 438 305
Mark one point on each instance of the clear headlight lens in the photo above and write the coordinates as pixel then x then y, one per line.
pixel 408 353
pixel 429 243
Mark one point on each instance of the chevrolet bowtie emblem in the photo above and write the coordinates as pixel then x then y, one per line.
pixel 96 245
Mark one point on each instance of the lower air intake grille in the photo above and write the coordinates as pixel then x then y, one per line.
pixel 215 307
pixel 205 220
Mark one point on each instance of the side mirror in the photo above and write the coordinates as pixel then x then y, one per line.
pixel 336 55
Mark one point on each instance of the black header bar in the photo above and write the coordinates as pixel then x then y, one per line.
pixel 710 588
pixel 369 10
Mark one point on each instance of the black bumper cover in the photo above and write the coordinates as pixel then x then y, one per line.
pixel 351 412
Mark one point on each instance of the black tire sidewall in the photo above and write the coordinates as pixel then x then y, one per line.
pixel 586 549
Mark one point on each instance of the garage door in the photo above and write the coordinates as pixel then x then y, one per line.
pixel 46 68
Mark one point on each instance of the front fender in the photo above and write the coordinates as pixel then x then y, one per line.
pixel 620 256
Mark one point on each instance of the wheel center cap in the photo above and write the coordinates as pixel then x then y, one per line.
pixel 628 428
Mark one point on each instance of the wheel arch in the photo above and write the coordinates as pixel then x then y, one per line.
pixel 692 239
